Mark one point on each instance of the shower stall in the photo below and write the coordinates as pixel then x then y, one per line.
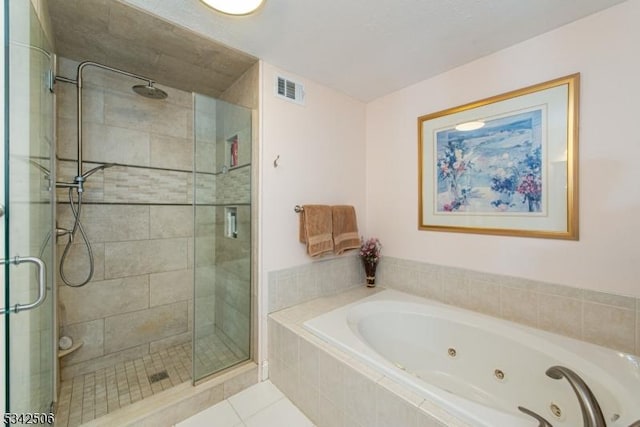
pixel 141 209
pixel 167 217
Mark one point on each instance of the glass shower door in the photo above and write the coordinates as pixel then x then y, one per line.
pixel 222 252
pixel 27 331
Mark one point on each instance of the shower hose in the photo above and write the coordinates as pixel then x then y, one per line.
pixel 77 225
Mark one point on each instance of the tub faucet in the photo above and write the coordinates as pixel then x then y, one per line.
pixel 591 412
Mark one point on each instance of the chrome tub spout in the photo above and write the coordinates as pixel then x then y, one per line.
pixel 591 412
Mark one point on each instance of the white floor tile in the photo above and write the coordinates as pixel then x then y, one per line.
pixel 281 413
pixel 219 415
pixel 257 397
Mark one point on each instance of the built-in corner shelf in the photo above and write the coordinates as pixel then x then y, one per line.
pixel 231 222
pixel 63 353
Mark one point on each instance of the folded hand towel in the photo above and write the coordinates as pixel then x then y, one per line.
pixel 315 229
pixel 345 229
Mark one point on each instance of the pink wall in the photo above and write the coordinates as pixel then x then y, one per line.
pixel 603 48
pixel 322 160
pixel 321 147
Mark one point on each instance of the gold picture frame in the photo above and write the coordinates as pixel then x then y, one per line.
pixel 505 165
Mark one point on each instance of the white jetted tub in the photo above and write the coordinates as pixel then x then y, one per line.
pixel 480 368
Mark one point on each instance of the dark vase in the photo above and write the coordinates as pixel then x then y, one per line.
pixel 370 272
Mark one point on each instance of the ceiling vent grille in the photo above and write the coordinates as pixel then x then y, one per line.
pixel 289 90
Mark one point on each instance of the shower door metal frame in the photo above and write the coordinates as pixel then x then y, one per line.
pixel 28 202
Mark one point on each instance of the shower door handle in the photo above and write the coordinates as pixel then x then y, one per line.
pixel 42 283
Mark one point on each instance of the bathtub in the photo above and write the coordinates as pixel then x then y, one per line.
pixel 480 368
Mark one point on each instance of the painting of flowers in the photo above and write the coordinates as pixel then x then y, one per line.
pixel 503 165
pixel 497 168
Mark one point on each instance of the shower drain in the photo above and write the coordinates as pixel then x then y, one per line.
pixel 158 376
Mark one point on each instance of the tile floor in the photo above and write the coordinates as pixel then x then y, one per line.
pixel 94 394
pixel 261 405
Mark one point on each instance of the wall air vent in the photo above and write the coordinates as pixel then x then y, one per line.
pixel 289 90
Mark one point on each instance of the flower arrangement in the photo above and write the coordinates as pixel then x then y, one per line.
pixel 370 250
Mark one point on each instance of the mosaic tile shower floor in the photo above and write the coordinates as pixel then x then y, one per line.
pixel 94 394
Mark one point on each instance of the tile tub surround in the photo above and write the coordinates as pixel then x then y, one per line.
pixel 605 319
pixel 333 389
pixel 302 283
pixel 322 380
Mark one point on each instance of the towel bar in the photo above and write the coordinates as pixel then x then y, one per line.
pixel 298 208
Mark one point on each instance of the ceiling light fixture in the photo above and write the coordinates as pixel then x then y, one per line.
pixel 473 125
pixel 234 7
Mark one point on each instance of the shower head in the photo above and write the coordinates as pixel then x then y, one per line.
pixel 149 91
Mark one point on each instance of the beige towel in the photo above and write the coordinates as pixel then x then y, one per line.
pixel 315 229
pixel 345 229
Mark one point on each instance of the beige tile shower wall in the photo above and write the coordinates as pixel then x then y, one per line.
pixel 138 218
pixel 243 92
pixel 233 303
pixel 205 269
pixel 233 259
pixel 232 290
pixel 605 319
pixel 233 278
pixel 127 184
pixel 234 186
pixel 233 254
pixel 205 199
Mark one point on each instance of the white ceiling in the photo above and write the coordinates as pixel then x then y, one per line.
pixel 369 48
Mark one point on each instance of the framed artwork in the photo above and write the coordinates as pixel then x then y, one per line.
pixel 505 165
